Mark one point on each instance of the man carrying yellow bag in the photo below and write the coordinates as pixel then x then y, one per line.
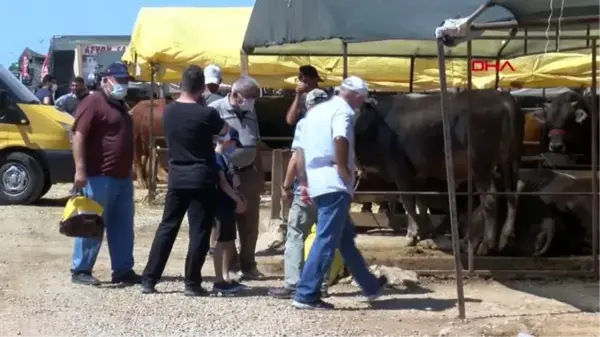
pixel 82 217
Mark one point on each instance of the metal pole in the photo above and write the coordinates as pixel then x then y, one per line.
pixel 450 178
pixel 595 205
pixel 469 168
pixel 151 186
pixel 345 59
pixel 411 78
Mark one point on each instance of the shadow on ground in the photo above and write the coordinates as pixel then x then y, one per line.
pixel 59 202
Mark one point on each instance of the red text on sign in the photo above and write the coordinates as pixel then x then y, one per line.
pixel 485 65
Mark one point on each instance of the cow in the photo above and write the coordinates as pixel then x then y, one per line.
pixel 140 115
pixel 567 120
pixel 402 138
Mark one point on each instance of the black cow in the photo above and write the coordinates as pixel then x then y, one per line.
pixel 401 137
pixel 567 119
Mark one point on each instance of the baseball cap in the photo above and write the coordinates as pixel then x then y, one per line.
pixel 117 70
pixel 212 74
pixel 315 97
pixel 309 71
pixel 356 84
pixel 232 134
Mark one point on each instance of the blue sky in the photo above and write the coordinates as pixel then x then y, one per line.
pixel 32 23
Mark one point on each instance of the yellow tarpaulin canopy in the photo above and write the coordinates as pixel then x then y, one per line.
pixel 173 38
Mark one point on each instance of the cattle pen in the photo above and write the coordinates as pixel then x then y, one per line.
pixel 535 24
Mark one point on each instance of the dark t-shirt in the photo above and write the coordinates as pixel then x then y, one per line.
pixel 107 127
pixel 224 164
pixel 189 129
pixel 42 93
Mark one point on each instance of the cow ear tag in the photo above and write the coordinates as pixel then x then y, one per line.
pixel 580 115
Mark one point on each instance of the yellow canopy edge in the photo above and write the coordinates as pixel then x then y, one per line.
pixel 175 37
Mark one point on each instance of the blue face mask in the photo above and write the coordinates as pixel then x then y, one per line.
pixel 119 91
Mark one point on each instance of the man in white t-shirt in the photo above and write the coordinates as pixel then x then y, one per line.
pixel 327 161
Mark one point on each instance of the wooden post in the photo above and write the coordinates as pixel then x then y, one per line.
pixel 276 181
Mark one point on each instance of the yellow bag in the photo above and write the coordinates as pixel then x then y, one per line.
pixel 336 265
pixel 82 217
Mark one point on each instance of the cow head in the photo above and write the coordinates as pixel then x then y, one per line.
pixel 563 118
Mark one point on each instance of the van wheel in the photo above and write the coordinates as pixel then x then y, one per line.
pixel 47 185
pixel 21 179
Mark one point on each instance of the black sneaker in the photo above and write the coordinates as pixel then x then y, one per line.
pixel 225 288
pixel 283 293
pixel 129 277
pixel 195 292
pixel 148 288
pixel 84 278
pixel 237 284
pixel 316 305
pixel 383 281
pixel 324 292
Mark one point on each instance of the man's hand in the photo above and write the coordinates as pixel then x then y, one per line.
pixel 286 193
pixel 301 88
pixel 80 179
pixel 345 174
pixel 240 206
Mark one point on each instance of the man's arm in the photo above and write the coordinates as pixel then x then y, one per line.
pixel 84 119
pixel 341 129
pixel 293 111
pixel 59 103
pixel 218 125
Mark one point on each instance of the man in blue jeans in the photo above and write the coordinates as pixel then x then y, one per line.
pixel 301 216
pixel 103 154
pixel 326 166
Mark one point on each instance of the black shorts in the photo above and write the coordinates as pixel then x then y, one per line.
pixel 225 225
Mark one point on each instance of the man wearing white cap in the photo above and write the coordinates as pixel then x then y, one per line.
pixel 326 166
pixel 212 78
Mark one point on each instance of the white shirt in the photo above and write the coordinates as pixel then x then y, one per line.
pixel 330 119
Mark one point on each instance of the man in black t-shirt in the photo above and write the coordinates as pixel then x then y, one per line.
pixel 189 129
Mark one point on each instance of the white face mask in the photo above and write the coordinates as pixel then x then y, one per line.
pixel 54 87
pixel 248 105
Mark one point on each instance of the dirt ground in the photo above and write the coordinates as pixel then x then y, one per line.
pixel 37 297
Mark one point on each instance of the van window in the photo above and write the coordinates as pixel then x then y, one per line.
pixel 16 89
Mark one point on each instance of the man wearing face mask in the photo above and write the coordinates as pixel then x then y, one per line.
pixel 69 102
pixel 237 109
pixel 103 154
pixel 308 79
pixel 326 167
pixel 46 92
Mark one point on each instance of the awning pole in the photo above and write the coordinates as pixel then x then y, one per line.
pixel 450 179
pixel 345 59
pixel 151 185
pixel 594 112
pixel 471 265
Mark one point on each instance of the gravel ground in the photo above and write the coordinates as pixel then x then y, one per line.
pixel 37 298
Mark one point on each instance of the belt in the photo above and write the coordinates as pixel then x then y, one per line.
pixel 244 168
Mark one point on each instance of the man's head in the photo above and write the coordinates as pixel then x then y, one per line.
pixel 212 78
pixel 49 81
pixel 230 141
pixel 115 80
pixel 309 75
pixel 244 92
pixel 315 97
pixel 78 86
pixel 355 91
pixel 192 82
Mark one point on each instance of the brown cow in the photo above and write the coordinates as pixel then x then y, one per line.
pixel 140 115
